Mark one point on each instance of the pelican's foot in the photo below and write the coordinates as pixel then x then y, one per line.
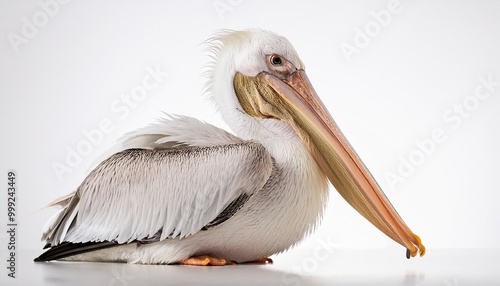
pixel 205 261
pixel 263 260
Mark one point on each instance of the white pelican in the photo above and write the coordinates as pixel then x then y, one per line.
pixel 184 191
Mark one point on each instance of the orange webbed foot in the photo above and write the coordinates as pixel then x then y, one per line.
pixel 205 260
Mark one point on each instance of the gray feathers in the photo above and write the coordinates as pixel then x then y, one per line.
pixel 174 187
pixel 135 193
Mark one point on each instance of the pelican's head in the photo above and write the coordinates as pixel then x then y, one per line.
pixel 258 76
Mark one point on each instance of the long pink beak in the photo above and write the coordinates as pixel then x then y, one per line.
pixel 338 160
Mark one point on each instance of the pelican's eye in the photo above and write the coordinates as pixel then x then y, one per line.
pixel 279 66
pixel 276 60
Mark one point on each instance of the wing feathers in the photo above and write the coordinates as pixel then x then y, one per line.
pixel 69 249
pixel 229 211
pixel 60 222
pixel 184 176
pixel 135 193
pixel 172 132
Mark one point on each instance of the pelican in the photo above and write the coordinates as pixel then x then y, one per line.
pixel 182 191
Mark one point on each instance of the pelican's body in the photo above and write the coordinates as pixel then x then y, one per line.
pixel 182 188
pixel 280 212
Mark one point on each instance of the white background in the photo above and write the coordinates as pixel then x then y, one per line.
pixel 64 79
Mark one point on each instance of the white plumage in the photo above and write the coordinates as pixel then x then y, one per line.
pixel 181 187
pixel 179 190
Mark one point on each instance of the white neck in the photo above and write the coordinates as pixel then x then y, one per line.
pixel 231 55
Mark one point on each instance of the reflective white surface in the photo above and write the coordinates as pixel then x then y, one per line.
pixel 323 266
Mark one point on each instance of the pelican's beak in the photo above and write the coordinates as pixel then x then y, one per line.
pixel 293 100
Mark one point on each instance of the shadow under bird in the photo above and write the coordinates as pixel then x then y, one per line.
pixel 184 191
